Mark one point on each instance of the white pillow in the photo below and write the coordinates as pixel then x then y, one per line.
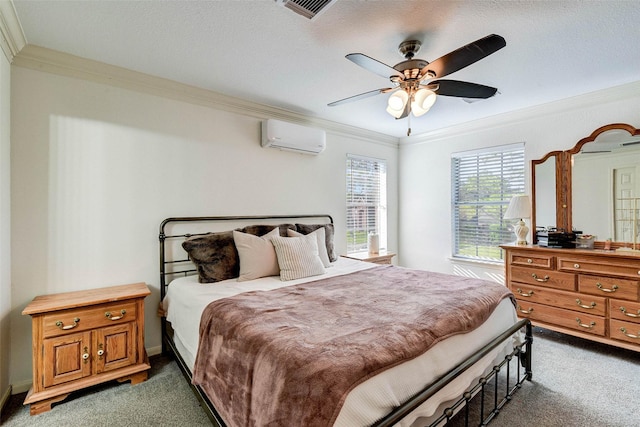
pixel 257 255
pixel 298 256
pixel 320 238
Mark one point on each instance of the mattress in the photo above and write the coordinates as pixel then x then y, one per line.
pixel 372 399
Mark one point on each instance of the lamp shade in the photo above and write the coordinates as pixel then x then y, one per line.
pixel 519 207
pixel 422 101
pixel 397 103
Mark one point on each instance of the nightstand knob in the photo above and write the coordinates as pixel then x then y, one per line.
pixel 529 261
pixel 576 265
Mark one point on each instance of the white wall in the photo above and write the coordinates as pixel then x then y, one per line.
pixel 425 172
pixel 5 224
pixel 96 168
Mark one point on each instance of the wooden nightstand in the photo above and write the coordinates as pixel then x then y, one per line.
pixel 382 258
pixel 85 338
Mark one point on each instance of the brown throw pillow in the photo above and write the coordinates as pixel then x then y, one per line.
pixel 328 235
pixel 214 255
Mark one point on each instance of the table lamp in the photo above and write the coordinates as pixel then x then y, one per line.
pixel 519 208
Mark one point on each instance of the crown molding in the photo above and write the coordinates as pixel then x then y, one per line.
pixel 60 63
pixel 13 39
pixel 600 97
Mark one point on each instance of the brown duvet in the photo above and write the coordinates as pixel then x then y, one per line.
pixel 289 357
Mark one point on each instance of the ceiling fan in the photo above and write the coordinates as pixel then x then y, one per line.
pixel 413 85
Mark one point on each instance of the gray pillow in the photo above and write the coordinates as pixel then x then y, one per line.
pixel 328 235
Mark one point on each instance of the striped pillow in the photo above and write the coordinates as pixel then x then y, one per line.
pixel 297 257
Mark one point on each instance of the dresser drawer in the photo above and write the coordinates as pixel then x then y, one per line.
pixel 624 331
pixel 569 300
pixel 566 318
pixel 624 310
pixel 547 278
pixel 81 319
pixel 526 259
pixel 605 267
pixel 609 286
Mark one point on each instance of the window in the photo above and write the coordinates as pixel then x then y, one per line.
pixel 483 183
pixel 366 201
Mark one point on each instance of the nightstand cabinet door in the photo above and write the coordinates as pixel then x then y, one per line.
pixel 115 347
pixel 66 358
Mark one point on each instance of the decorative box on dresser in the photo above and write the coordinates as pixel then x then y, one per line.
pixel 84 338
pixel 592 294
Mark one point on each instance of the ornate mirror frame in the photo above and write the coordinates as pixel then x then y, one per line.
pixel 563 178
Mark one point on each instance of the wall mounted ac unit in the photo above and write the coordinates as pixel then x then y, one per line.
pixel 292 137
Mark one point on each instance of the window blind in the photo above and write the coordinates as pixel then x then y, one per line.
pixel 366 201
pixel 483 184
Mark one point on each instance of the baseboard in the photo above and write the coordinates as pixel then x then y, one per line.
pixel 21 387
pixel 154 351
pixel 5 399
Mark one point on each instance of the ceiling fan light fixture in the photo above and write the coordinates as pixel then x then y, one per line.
pixel 423 100
pixel 397 102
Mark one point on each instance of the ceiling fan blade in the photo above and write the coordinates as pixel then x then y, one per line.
pixel 373 65
pixel 464 56
pixel 463 89
pixel 361 96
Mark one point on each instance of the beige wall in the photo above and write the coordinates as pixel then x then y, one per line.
pixel 96 168
pixel 425 166
pixel 5 224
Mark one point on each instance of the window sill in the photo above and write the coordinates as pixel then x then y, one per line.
pixel 478 262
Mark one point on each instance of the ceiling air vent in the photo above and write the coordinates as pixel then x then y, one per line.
pixel 307 8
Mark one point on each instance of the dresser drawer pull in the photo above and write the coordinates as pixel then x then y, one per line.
pixel 60 324
pixel 110 317
pixel 530 261
pixel 626 313
pixel 576 265
pixel 590 306
pixel 613 288
pixel 524 294
pixel 525 311
pixel 544 279
pixel 85 355
pixel 624 331
pixel 589 326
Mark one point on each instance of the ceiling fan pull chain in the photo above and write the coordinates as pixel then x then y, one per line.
pixel 409 125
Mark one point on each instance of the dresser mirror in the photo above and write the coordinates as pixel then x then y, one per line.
pixel 593 187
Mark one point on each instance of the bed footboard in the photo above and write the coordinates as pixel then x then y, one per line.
pixel 521 354
pixel 502 391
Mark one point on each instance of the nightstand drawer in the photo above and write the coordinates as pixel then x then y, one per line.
pixel 81 319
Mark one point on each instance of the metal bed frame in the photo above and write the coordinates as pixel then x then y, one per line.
pixel 499 387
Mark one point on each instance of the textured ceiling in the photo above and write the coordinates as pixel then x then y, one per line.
pixel 260 51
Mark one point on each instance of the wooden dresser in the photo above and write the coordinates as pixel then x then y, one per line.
pixel 84 338
pixel 592 294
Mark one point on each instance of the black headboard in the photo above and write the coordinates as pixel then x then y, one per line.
pixel 173 231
